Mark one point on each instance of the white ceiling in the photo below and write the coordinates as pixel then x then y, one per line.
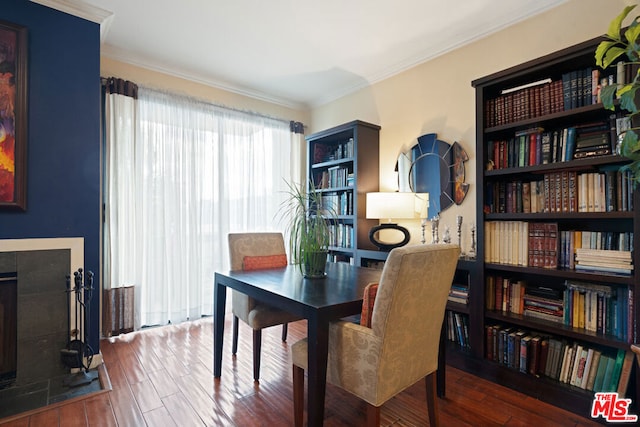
pixel 297 53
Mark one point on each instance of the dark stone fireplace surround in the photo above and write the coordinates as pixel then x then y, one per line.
pixel 42 312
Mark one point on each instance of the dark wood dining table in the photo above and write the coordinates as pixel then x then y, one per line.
pixel 339 294
pixel 320 301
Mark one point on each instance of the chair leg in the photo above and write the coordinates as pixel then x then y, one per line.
pixel 257 344
pixel 234 346
pixel 373 415
pixel 432 401
pixel 298 396
pixel 285 328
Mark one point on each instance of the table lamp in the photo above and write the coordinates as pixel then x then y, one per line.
pixel 390 206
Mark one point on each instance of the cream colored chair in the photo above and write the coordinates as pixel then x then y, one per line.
pixel 401 347
pixel 250 251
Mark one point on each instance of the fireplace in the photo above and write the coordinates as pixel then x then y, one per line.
pixel 36 314
pixel 33 274
pixel 8 329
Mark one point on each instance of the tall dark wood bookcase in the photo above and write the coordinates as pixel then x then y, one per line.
pixel 503 126
pixel 343 164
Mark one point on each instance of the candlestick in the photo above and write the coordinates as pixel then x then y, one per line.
pixel 459 224
pixel 434 229
pixel 472 251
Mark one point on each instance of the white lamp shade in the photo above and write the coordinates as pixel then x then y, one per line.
pixel 391 205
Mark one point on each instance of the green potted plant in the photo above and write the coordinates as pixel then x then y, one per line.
pixel 623 41
pixel 309 228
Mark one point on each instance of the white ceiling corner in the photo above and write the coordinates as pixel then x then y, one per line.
pixel 295 53
pixel 82 10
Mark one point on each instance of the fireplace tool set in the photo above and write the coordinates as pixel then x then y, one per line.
pixel 78 354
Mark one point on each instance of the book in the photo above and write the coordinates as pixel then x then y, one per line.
pixel 578 366
pixel 600 374
pixel 608 373
pixel 616 370
pixel 622 124
pixel 551 355
pixel 585 141
pixel 567 364
pixel 523 366
pixel 603 262
pixel 459 328
pixel 544 356
pixel 587 368
pixel 602 269
pixel 534 356
pixel 595 361
pixel 625 373
pixel 546 147
pixel 526 197
pixel 526 86
pixel 569 144
pixel 600 253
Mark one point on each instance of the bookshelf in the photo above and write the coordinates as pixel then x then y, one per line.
pixel 534 124
pixel 457 317
pixel 342 163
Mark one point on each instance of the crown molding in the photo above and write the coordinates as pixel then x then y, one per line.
pixel 116 54
pixel 82 10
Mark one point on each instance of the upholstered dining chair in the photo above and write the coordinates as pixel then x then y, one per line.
pixel 250 251
pixel 401 346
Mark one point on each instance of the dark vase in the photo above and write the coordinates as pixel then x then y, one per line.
pixel 314 264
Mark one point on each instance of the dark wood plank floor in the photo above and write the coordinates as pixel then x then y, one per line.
pixel 163 377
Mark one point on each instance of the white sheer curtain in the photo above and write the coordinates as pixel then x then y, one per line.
pixel 119 313
pixel 194 172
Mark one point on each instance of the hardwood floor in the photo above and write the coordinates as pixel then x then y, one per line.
pixel 163 377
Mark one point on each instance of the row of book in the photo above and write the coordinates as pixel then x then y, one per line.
pixel 566 191
pixel 573 363
pixel 541 98
pixel 575 89
pixel 514 197
pixel 335 177
pixel 533 147
pixel 504 294
pixel 341 235
pixel 588 306
pixel 510 295
pixel 459 294
pixel 608 261
pixel 599 308
pixel 607 191
pixel 540 244
pixel 580 87
pixel 327 152
pixel 458 328
pixel 527 244
pixel 338 203
pixel 603 246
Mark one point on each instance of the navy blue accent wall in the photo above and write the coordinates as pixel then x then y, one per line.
pixel 63 152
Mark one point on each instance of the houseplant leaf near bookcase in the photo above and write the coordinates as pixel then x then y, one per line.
pixel 308 227
pixel 620 42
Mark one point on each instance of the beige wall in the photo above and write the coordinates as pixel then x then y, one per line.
pixel 437 96
pixel 142 76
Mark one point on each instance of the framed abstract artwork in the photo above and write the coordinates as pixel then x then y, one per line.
pixel 13 116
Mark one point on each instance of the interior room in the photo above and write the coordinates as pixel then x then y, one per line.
pixel 352 75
